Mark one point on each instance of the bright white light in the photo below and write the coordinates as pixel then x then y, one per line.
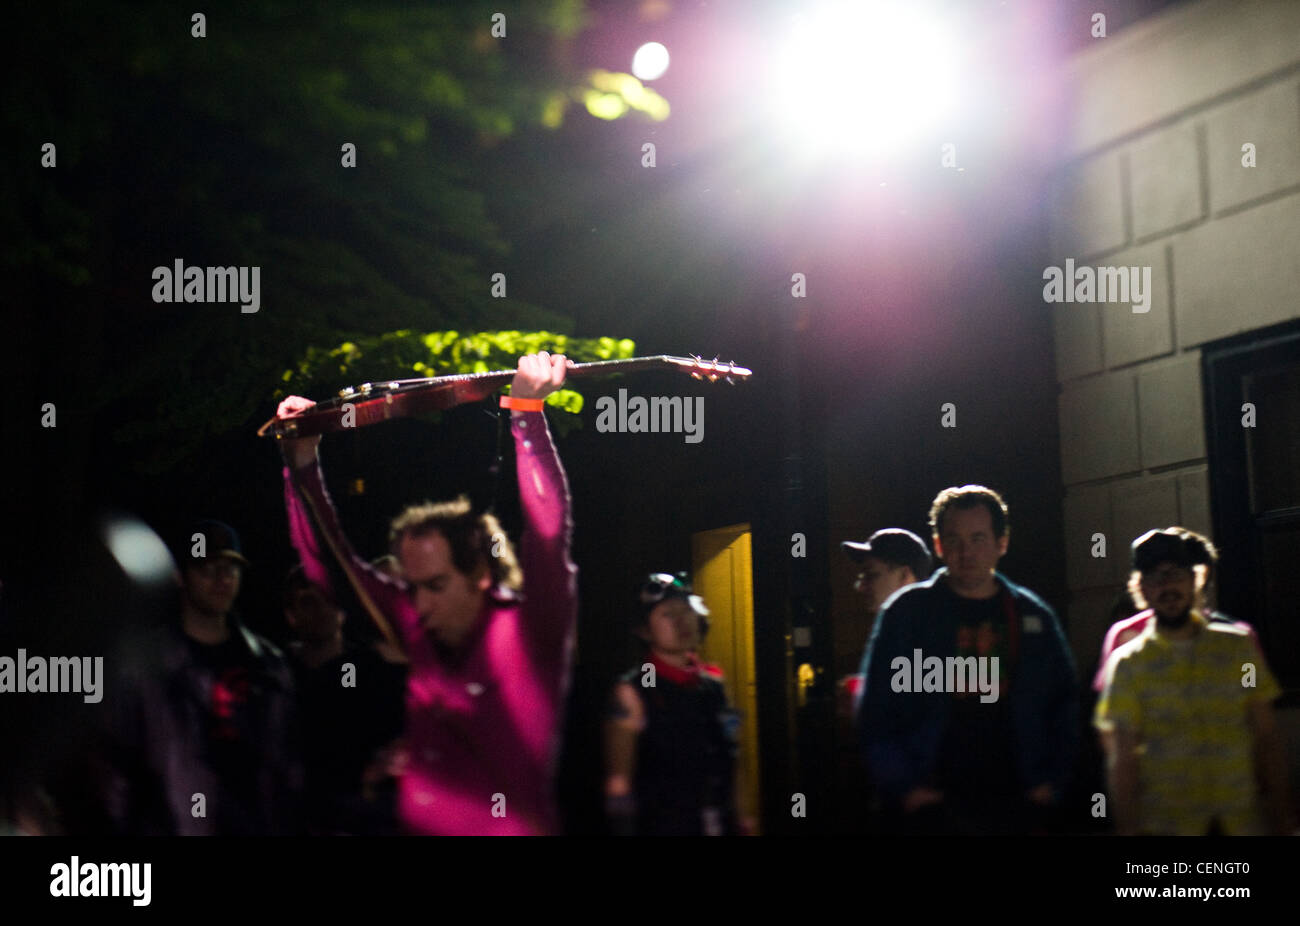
pixel 138 550
pixel 650 61
pixel 860 77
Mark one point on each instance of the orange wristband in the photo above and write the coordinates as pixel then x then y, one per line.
pixel 522 405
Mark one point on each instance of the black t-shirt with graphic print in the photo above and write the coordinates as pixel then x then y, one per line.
pixel 977 757
pixel 229 733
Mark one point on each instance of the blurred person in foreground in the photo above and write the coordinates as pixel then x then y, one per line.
pixel 203 727
pixel 489 639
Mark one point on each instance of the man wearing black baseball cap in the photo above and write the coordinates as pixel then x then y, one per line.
pixel 1186 713
pixel 211 562
pixel 890 558
pixel 203 742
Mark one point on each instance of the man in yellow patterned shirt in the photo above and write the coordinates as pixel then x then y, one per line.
pixel 1186 715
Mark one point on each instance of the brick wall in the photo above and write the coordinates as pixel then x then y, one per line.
pixel 1152 176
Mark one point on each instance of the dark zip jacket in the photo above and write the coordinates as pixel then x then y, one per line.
pixel 160 751
pixel 901 733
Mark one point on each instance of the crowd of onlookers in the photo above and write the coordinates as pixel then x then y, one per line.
pixel 445 718
pixel 966 708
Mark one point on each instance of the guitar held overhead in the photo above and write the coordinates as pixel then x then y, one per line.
pixel 371 403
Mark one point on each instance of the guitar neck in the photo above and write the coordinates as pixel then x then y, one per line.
pixel 371 403
pixel 494 379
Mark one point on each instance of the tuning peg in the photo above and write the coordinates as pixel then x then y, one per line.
pixel 730 381
pixel 713 377
pixel 697 376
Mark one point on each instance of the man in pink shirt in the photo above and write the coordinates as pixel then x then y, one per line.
pixel 488 666
pixel 1131 627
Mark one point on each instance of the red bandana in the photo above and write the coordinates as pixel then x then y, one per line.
pixel 688 677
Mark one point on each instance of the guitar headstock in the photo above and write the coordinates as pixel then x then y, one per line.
pixel 367 391
pixel 712 370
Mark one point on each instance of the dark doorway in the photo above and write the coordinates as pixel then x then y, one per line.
pixel 1253 407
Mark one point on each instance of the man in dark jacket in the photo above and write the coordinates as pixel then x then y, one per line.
pixel 670 739
pixel 968 717
pixel 203 713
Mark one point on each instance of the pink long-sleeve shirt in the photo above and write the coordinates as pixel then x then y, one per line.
pixel 482 732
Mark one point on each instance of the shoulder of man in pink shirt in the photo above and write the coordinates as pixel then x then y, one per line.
pixel 1119 633
pixel 1130 627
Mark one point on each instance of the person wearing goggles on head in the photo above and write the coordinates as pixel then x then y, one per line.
pixel 670 739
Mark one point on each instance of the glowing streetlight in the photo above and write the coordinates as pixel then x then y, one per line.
pixel 650 61
pixel 858 77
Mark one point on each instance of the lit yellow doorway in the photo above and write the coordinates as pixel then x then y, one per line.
pixel 723 575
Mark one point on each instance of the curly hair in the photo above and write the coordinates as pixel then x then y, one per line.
pixel 475 539
pixel 1202 554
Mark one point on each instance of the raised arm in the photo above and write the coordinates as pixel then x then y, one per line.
pixel 314 530
pixel 550 577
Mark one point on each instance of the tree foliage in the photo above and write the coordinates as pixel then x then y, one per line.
pixel 226 150
pixel 394 354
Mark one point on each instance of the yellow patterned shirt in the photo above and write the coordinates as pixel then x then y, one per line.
pixel 1187 703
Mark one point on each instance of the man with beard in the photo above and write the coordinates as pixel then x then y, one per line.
pixel 1186 714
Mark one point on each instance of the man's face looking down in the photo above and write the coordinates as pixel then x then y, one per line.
pixel 448 601
pixel 969 549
